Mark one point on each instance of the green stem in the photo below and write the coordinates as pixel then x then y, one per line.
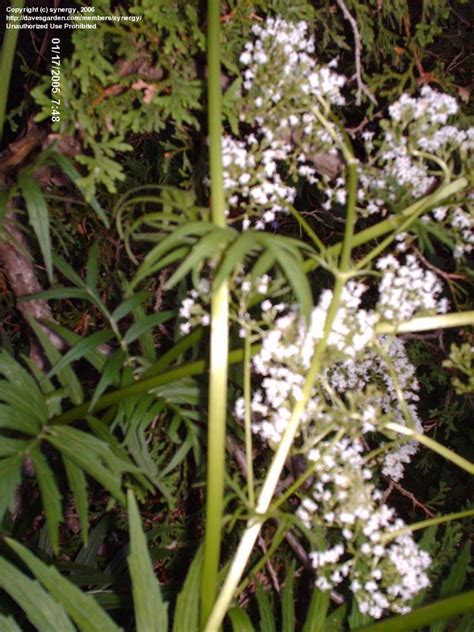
pixel 442 450
pixel 6 64
pixel 219 342
pixel 248 420
pixel 427 323
pixel 421 617
pixel 441 194
pixel 423 524
pixel 388 240
pixel 307 228
pixel 143 386
pixel 350 216
pixel 254 525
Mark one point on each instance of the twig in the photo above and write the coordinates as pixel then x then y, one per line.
pixel 269 565
pixel 414 500
pixel 361 87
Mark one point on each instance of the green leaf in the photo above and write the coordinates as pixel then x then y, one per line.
pixel 128 305
pixel 92 266
pixel 17 419
pixel 38 216
pixel 56 293
pixel 335 621
pixel 210 245
pixel 75 176
pixel 10 478
pixel 178 456
pixel 146 324
pixel 90 454
pixel 296 277
pixel 287 601
pixel 357 618
pixel 110 375
pixel 24 392
pixel 96 358
pixel 82 608
pixel 49 495
pixel 263 264
pixel 81 349
pixel 9 447
pixel 316 615
pixel 454 582
pixel 442 609
pixel 8 624
pixel 152 260
pixel 69 272
pixel 150 610
pixel 244 244
pixel 78 484
pixel 66 376
pixel 267 620
pixel 42 611
pixel 186 615
pixel 147 342
pixel 87 556
pixel 457 575
pixel 466 624
pixel 240 620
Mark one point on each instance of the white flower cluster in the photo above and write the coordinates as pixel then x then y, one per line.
pixel 406 289
pixel 251 177
pixel 286 51
pixel 372 371
pixel 460 223
pixel 286 353
pixel 381 576
pixel 282 85
pixel 356 365
pixel 192 311
pixel 401 167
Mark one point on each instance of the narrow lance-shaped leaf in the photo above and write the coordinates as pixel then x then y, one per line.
pixel 78 484
pixel 10 478
pixel 186 615
pixel 83 610
pixel 150 610
pixel 81 349
pixel 287 601
pixel 42 611
pixel 267 620
pixel 66 376
pixel 8 624
pixel 418 618
pixel 209 245
pixel 146 324
pixel 454 582
pixel 318 607
pixel 39 217
pixel 50 495
pixel 240 620
pixel 30 399
pixel 90 454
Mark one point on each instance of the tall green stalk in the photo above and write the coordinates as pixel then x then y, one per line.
pixel 6 64
pixel 219 341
